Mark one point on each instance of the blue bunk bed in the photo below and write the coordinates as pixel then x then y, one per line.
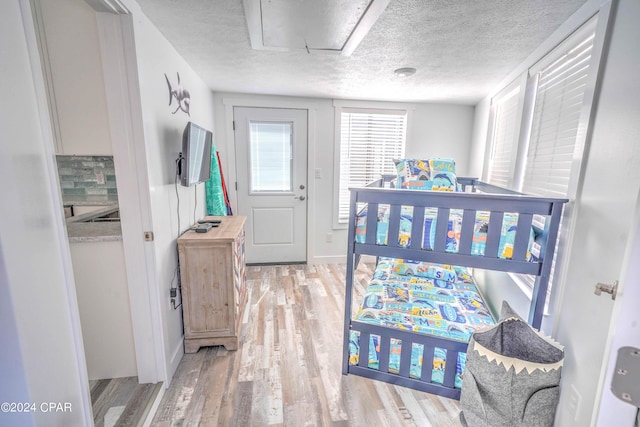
pixel 387 346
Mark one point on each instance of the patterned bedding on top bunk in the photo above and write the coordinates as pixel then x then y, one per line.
pixel 439 300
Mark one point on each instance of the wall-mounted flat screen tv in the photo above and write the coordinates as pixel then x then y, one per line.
pixel 196 155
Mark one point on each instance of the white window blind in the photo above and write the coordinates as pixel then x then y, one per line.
pixel 369 141
pixel 504 138
pixel 271 157
pixel 559 101
pixel 553 143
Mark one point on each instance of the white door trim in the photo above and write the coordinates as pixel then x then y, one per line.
pixel 229 104
pixel 117 44
pixel 51 172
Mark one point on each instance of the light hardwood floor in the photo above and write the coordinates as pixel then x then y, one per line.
pixel 287 370
pixel 121 401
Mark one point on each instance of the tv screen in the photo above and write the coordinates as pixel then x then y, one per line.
pixel 196 155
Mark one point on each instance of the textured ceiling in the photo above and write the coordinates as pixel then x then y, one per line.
pixel 461 48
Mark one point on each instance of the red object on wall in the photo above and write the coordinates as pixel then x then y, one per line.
pixel 224 186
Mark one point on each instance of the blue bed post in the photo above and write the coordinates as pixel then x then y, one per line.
pixel 348 293
pixel 547 251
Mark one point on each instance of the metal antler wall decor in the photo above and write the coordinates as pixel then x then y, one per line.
pixel 182 96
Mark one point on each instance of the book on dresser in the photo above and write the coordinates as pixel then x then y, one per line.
pixel 212 273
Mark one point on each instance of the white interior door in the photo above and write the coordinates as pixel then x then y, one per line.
pixel 623 332
pixel 271 169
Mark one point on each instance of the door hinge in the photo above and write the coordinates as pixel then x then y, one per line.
pixel 236 185
pixel 234 125
pixel 148 236
pixel 626 377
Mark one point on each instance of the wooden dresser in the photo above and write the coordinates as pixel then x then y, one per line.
pixel 212 272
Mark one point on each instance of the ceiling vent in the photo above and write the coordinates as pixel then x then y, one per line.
pixel 328 26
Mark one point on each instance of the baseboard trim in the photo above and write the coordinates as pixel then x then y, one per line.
pixel 328 259
pixel 338 259
pixel 159 391
pixel 176 357
pixel 368 258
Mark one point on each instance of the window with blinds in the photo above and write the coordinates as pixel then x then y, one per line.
pixel 271 157
pixel 369 141
pixel 556 118
pixel 504 136
pixel 561 82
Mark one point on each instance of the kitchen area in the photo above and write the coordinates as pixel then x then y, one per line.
pixel 89 196
pixel 90 200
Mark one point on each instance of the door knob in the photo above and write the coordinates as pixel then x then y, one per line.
pixel 302 186
pixel 301 197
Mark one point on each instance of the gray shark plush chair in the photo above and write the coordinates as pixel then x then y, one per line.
pixel 512 375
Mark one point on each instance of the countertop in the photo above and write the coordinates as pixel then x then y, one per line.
pixel 94 213
pixel 82 232
pixel 70 200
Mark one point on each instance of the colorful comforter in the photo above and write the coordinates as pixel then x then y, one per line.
pixel 439 300
pixel 507 233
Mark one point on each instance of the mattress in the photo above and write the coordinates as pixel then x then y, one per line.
pixel 438 300
pixel 507 233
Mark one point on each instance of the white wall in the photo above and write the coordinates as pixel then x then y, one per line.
pixel 605 208
pixel 76 75
pixel 105 314
pixel 15 386
pixel 442 130
pixel 163 141
pixel 42 325
pixel 433 130
pixel 480 129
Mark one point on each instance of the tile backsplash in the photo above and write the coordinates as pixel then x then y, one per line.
pixel 87 176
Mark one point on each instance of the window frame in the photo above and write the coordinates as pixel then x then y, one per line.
pixel 341 106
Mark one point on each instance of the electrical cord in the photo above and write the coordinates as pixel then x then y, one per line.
pixel 175 272
pixel 195 203
pixel 175 183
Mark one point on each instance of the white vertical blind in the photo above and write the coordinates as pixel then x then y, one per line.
pixel 369 141
pixel 556 117
pixel 504 138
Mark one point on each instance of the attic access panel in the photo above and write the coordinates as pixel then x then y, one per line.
pixel 328 26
